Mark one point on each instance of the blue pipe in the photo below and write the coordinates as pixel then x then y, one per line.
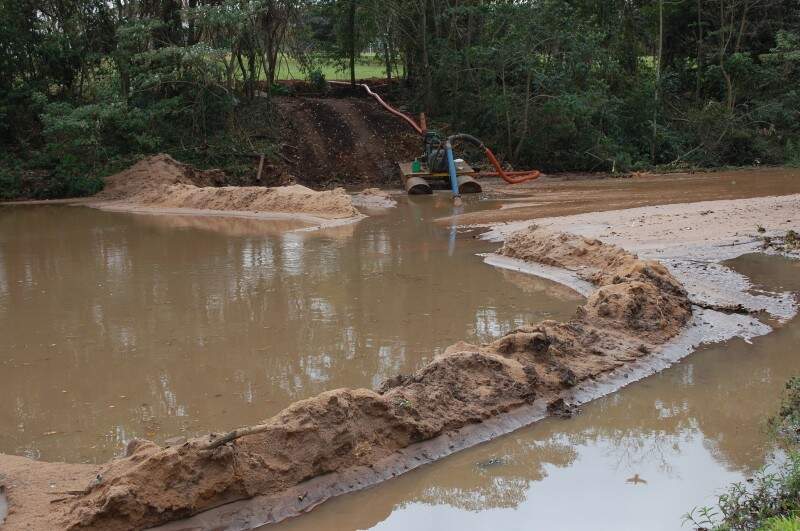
pixel 452 167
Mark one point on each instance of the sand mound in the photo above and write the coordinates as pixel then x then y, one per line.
pixel 160 182
pixel 373 198
pixel 637 307
pixel 635 296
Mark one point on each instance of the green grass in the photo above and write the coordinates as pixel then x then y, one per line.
pixel 367 66
pixel 781 523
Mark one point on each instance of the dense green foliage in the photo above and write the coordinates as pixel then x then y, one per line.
pixel 770 501
pixel 575 85
pixel 87 85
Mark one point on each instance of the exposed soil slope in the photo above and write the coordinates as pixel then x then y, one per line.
pixel 346 140
pixel 637 306
pixel 162 182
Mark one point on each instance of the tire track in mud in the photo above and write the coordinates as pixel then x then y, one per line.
pixel 342 141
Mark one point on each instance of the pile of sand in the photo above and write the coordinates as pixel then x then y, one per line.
pixel 636 296
pixel 374 198
pixel 636 307
pixel 160 182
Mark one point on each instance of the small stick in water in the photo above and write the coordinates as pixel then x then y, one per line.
pixel 235 434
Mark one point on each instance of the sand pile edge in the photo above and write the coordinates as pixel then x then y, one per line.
pixel 160 183
pixel 636 307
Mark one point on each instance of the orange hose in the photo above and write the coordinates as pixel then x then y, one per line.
pixel 509 173
pixel 507 176
pixel 388 107
pixel 528 176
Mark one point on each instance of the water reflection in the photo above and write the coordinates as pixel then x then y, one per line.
pixel 637 459
pixel 118 325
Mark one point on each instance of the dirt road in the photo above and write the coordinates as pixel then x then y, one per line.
pixel 562 196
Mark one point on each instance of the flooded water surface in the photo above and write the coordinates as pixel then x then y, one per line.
pixel 116 326
pixel 637 459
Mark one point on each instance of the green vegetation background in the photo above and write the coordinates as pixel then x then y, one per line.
pixel 89 86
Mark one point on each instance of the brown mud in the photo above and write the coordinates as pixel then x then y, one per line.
pixel 637 306
pixel 161 182
pixel 564 196
pixel 350 140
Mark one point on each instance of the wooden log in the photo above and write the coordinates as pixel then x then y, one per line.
pixel 260 167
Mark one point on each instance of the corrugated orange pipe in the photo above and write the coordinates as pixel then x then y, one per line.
pixel 506 176
pixel 388 107
pixel 526 176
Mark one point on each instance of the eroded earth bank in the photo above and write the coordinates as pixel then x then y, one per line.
pixel 161 185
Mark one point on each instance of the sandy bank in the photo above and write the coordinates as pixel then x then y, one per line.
pixel 160 184
pixel 692 240
pixel 636 307
pixel 549 197
pixel 374 198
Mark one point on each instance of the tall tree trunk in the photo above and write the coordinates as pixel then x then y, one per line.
pixel 508 112
pixel 724 41
pixel 699 78
pixel 657 88
pixel 426 67
pixel 387 55
pixel 352 29
pixel 525 114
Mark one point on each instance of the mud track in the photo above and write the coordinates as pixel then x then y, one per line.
pixel 635 308
pixel 330 141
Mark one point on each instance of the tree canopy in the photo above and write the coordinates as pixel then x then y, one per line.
pixel 563 85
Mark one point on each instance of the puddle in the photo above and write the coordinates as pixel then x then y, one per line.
pixel 119 325
pixel 3 505
pixel 637 459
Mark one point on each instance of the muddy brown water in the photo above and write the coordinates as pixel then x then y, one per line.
pixel 636 459
pixel 121 325
pixel 116 325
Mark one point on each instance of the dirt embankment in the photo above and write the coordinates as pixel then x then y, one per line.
pixel 347 140
pixel 162 183
pixel 636 307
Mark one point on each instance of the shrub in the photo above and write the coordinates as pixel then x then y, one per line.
pixel 317 80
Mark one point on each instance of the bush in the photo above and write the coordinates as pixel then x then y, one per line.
pixel 792 153
pixel 786 424
pixel 781 523
pixel 752 505
pixel 9 183
pixel 317 80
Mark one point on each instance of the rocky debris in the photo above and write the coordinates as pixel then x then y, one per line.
pixel 559 408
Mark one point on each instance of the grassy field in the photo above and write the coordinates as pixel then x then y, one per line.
pixel 367 66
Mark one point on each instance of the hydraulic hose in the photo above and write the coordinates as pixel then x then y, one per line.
pixel 509 177
pixel 410 121
pixel 534 174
